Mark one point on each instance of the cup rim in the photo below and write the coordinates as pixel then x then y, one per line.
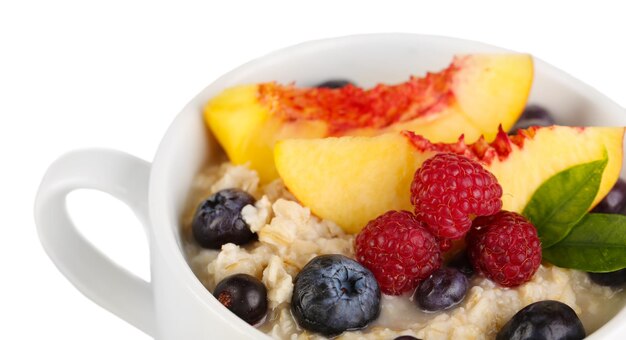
pixel 163 235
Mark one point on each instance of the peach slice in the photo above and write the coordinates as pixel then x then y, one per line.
pixel 473 96
pixel 351 180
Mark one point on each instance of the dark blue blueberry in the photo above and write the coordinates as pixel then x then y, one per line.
pixel 612 279
pixel 218 219
pixel 243 295
pixel 462 263
pixel 543 320
pixel 533 115
pixel 615 201
pixel 444 289
pixel 334 84
pixel 333 294
pixel 406 337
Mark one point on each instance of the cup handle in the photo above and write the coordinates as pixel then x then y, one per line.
pixel 94 274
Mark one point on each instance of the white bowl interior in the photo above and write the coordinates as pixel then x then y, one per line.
pixel 366 60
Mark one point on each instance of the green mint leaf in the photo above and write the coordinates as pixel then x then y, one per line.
pixel 596 244
pixel 560 202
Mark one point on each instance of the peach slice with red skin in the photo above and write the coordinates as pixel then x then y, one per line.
pixel 473 96
pixel 352 180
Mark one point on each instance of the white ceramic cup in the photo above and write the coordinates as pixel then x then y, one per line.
pixel 174 304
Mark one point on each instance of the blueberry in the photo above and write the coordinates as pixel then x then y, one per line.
pixel 334 84
pixel 611 279
pixel 243 295
pixel 615 201
pixel 406 337
pixel 543 320
pixel 462 263
pixel 333 294
pixel 444 289
pixel 218 219
pixel 533 115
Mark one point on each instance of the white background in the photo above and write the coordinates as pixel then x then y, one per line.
pixel 76 74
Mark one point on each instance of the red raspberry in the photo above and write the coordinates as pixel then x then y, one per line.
pixel 504 247
pixel 445 244
pixel 449 189
pixel 399 251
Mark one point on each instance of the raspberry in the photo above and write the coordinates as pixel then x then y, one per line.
pixel 504 247
pixel 399 251
pixel 445 244
pixel 449 189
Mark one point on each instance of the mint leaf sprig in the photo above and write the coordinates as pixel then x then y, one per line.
pixel 570 237
pixel 561 201
pixel 596 244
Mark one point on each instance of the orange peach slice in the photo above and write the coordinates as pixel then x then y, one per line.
pixel 474 95
pixel 351 180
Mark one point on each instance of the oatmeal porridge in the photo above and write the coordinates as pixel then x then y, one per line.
pixel 289 236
